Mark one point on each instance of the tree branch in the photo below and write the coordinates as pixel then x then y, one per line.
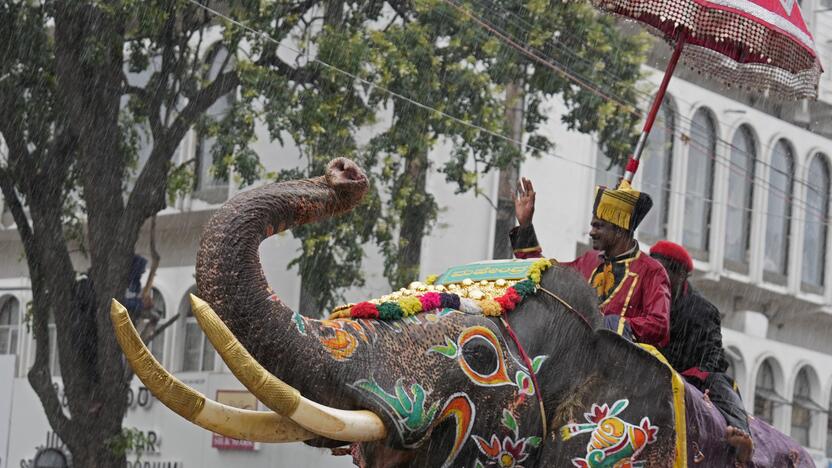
pixel 148 195
pixel 39 375
pixel 19 215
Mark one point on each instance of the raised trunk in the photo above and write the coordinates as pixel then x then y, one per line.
pixel 508 175
pixel 230 277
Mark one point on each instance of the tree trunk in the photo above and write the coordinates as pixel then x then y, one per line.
pixel 414 219
pixel 509 175
pixel 308 305
pixel 95 454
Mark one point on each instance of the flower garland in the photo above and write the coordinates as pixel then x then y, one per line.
pixel 408 306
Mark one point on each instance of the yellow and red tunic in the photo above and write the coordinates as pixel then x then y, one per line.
pixel 632 286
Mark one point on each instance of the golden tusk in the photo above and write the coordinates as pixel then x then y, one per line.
pixel 256 426
pixel 337 424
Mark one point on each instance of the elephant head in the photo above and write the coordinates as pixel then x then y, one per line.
pixel 438 389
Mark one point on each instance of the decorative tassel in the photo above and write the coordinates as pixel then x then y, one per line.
pixel 604 281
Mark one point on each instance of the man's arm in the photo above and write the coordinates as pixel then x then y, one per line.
pixel 524 242
pixel 652 326
pixel 523 238
pixel 713 357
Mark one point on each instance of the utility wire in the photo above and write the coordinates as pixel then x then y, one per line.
pixel 439 112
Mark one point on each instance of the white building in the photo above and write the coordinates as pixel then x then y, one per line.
pixel 748 191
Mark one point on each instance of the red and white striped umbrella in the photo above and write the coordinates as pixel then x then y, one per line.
pixel 758 45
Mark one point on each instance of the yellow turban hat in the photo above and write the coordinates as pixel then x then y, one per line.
pixel 622 207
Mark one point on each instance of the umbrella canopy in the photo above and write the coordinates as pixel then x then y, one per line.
pixel 759 45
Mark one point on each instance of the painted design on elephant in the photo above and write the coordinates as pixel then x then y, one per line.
pixel 613 442
pixel 342 337
pixel 509 452
pixel 406 409
pixel 339 342
pixel 459 407
pixel 470 337
pixel 490 378
pixel 300 322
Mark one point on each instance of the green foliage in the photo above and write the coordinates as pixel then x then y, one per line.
pixel 130 440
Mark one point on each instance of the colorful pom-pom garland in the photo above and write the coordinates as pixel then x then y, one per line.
pixel 408 306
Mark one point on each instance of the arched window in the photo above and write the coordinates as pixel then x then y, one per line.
pixel 198 353
pixel 9 324
pixel 817 213
pixel 765 393
pixel 801 412
pixel 208 186
pixel 780 185
pixel 700 182
pixel 740 199
pixel 656 171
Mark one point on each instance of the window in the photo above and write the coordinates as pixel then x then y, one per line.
pixel 198 352
pixel 656 170
pixel 157 318
pixel 801 412
pixel 607 174
pixel 9 324
pixel 764 394
pixel 700 181
pixel 780 182
pixel 740 198
pixel 817 211
pixel 208 187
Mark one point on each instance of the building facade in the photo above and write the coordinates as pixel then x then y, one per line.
pixel 744 185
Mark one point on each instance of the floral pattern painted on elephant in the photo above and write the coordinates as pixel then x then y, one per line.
pixel 342 337
pixel 496 375
pixel 509 452
pixel 406 409
pixel 613 442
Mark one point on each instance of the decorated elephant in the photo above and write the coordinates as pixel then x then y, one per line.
pixel 497 364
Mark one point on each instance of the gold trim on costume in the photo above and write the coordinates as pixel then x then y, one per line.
pixel 679 420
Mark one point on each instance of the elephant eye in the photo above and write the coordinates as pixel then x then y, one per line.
pixel 480 356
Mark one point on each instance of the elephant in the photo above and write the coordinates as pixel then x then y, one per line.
pixel 541 385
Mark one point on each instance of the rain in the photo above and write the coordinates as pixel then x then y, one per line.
pixel 431 233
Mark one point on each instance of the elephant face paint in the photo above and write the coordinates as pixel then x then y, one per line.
pixel 613 441
pixel 509 452
pixel 460 407
pixel 406 409
pixel 480 356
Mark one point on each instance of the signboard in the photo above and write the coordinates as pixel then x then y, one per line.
pixel 7 364
pixel 489 271
pixel 238 399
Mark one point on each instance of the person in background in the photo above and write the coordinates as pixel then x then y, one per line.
pixel 695 349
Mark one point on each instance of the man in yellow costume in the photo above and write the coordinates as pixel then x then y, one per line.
pixel 633 289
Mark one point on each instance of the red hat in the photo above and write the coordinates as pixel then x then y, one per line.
pixel 674 252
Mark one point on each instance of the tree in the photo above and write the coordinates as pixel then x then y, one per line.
pixel 79 82
pixel 566 51
pixel 441 54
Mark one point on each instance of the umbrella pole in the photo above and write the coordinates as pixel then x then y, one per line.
pixel 632 163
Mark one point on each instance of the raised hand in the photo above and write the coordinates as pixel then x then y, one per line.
pixel 524 202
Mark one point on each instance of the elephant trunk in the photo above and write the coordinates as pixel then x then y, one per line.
pixel 229 275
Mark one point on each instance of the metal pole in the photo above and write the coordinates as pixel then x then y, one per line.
pixel 632 164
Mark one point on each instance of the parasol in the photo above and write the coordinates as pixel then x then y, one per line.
pixel 760 45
